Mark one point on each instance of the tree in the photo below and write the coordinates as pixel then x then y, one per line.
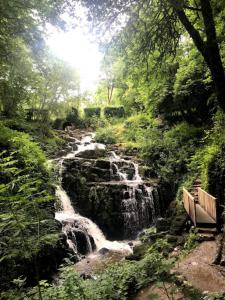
pixel 22 30
pixel 111 76
pixel 159 24
pixel 55 81
pixel 16 78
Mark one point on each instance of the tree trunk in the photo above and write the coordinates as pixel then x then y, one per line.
pixel 209 49
pixel 212 53
pixel 110 93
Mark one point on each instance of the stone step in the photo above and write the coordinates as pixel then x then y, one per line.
pixel 206 236
pixel 207 231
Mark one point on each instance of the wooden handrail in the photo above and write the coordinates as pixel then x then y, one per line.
pixel 189 205
pixel 208 202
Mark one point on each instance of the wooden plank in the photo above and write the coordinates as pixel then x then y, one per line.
pixel 208 203
pixel 192 210
pixel 189 205
pixel 202 217
pixel 185 200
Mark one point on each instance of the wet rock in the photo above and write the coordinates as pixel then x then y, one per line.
pixel 102 174
pixel 103 164
pixel 126 195
pixel 73 146
pixel 70 139
pixel 92 243
pixel 62 152
pixel 162 224
pixel 138 252
pixel 83 242
pixel 93 153
pixel 103 251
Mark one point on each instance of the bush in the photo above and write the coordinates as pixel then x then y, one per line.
pixel 117 281
pixel 26 205
pixel 168 153
pixel 116 112
pixel 92 112
pixel 19 124
pixel 73 117
pixel 58 124
pixel 139 120
pixel 106 135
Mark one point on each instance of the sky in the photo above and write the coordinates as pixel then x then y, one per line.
pixel 75 47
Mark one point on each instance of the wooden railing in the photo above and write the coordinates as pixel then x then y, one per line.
pixel 208 202
pixel 189 205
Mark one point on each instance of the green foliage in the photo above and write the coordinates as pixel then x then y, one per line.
pixel 90 112
pixel 26 201
pixel 201 160
pixel 191 240
pixel 27 74
pixel 41 133
pixel 145 234
pixel 106 135
pixel 26 150
pixel 118 281
pixel 192 89
pixel 114 112
pixel 162 155
pixel 73 116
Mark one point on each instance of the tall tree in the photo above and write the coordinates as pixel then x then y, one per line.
pixel 161 23
pixel 56 81
pixel 22 30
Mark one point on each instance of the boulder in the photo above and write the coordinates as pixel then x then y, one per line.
pixel 178 224
pixel 103 164
pixel 162 224
pixel 92 153
pixel 103 174
pixel 103 251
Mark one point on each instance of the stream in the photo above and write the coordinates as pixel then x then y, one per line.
pixel 138 207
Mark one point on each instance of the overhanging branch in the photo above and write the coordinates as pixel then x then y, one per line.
pixel 192 8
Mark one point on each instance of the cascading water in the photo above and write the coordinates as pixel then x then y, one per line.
pixel 139 206
pixel 83 235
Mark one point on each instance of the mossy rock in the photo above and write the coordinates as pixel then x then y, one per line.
pixel 178 224
pixel 139 252
pixel 162 225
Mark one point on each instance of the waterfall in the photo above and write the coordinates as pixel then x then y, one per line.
pixel 137 202
pixel 83 235
pixel 139 206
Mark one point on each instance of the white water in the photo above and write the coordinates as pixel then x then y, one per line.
pixel 68 215
pixel 123 176
pixel 71 220
pixel 84 144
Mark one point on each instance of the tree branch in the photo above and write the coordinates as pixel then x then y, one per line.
pixel 192 8
pixel 194 34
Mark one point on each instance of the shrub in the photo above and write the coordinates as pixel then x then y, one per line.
pixel 73 117
pixel 26 205
pixel 58 124
pixel 117 281
pixel 168 153
pixel 92 111
pixel 116 112
pixel 106 135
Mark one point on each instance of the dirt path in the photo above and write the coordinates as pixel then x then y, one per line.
pixel 197 268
